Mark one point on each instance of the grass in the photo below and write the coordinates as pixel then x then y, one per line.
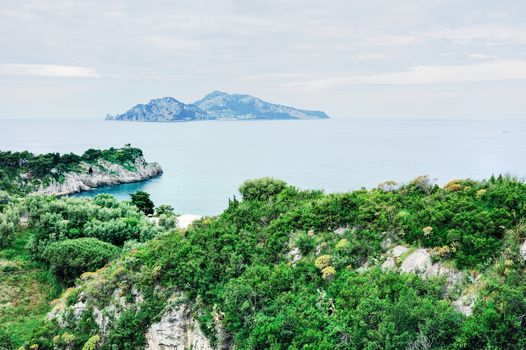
pixel 26 290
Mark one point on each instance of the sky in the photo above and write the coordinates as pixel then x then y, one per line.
pixel 352 59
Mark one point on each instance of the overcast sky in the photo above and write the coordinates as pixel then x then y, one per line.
pixel 371 58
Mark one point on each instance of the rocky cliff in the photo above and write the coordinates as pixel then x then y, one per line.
pixel 101 173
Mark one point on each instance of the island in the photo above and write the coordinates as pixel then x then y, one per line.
pixel 56 174
pixel 214 106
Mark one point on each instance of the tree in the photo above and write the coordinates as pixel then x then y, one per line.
pixel 142 201
pixel 69 258
pixel 165 209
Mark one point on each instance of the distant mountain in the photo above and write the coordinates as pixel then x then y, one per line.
pixel 166 109
pixel 214 106
pixel 225 106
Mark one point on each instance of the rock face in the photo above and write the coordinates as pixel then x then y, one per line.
pixel 103 173
pixel 393 255
pixel 523 250
pixel 214 106
pixel 465 304
pixel 418 262
pixel 177 330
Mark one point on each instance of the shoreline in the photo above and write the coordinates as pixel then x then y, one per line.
pixel 185 220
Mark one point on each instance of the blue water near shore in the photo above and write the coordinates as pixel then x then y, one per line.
pixel 205 162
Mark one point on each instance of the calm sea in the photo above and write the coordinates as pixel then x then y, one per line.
pixel 205 162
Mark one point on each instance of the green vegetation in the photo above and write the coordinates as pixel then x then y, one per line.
pixel 142 201
pixel 69 258
pixel 26 291
pixel 289 269
pixel 24 172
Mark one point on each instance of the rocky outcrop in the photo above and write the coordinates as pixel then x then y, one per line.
pixel 177 330
pixel 465 304
pixel 523 250
pixel 103 173
pixel 393 257
pixel 418 262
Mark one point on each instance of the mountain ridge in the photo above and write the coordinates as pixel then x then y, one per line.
pixel 216 105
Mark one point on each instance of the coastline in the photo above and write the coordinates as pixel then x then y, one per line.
pixel 101 174
pixel 185 220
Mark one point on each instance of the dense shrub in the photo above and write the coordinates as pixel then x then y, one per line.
pixel 104 218
pixel 8 226
pixel 238 268
pixel 70 258
pixel 261 189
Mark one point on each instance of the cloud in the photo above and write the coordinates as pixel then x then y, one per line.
pixel 47 70
pixel 481 56
pixel 492 34
pixel 484 71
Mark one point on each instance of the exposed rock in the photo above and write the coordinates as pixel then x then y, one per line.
pixel 79 308
pixel 224 339
pixel 294 255
pixel 103 173
pixel 465 304
pixel 523 250
pixel 177 330
pixel 452 277
pixel 340 231
pixel 103 316
pixel 392 256
pixel 389 264
pixel 418 262
pixel 24 221
pixel 398 251
pixel 386 243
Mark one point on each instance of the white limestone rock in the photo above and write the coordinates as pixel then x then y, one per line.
pixel 340 231
pixel 177 330
pixel 417 262
pixel 398 251
pixel 389 264
pixel 103 173
pixel 294 255
pixel 465 304
pixel 523 250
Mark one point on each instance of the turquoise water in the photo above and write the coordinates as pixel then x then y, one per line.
pixel 205 162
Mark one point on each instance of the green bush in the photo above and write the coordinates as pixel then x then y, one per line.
pixel 70 258
pixel 8 226
pixel 261 189
pixel 104 218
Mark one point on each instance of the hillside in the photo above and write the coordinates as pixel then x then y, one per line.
pixel 55 174
pixel 396 267
pixel 214 106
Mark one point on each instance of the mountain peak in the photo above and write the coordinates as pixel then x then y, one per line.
pixel 217 93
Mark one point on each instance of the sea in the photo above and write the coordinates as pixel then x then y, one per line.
pixel 205 162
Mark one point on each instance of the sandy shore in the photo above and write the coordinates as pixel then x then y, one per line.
pixel 184 220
